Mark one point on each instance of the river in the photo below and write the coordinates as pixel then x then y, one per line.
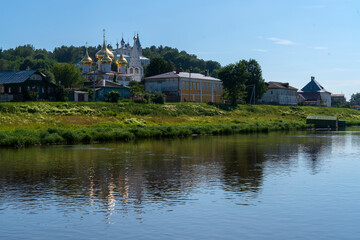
pixel 281 185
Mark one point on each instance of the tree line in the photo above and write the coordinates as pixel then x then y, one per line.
pixel 239 79
pixel 27 57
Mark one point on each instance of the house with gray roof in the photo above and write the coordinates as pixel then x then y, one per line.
pixel 279 93
pixel 14 86
pixel 186 87
pixel 314 94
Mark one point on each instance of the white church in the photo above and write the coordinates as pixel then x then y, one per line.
pixel 129 61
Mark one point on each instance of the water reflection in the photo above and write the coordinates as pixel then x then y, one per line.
pixel 123 178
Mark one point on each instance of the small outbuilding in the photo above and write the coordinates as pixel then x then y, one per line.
pixel 323 121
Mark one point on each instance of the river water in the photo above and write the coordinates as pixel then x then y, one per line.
pixel 296 185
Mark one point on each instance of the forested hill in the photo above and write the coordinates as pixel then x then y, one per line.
pixel 182 59
pixel 27 57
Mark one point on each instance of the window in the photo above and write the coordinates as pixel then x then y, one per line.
pixel 9 90
pixel 20 89
pixel 43 90
pixel 131 71
pixel 136 71
pixel 2 90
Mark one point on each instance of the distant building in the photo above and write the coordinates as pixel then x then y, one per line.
pixel 279 93
pixel 313 94
pixel 338 99
pixel 186 87
pixel 129 65
pixel 78 96
pixel 103 87
pixel 15 85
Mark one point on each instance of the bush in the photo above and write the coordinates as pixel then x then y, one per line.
pixel 113 97
pixel 158 98
pixel 29 95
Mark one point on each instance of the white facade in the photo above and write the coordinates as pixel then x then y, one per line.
pixel 280 97
pixel 325 99
pixel 135 68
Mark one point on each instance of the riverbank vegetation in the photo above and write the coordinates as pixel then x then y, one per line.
pixel 35 123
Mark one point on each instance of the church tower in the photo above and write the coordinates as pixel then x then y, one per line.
pixel 135 67
pixel 101 54
pixel 106 63
pixel 121 62
pixel 86 62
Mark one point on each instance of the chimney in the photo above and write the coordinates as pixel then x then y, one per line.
pixel 205 73
pixel 312 78
pixel 177 71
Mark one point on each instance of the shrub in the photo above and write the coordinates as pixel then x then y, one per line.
pixel 113 97
pixel 29 95
pixel 158 98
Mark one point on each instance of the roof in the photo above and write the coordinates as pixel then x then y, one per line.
pixel 313 86
pixel 337 95
pixel 108 83
pixel 15 77
pixel 323 117
pixel 280 85
pixel 173 74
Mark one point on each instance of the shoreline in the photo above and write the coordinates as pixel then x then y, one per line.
pixel 24 124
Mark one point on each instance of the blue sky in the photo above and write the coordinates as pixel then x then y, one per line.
pixel 292 40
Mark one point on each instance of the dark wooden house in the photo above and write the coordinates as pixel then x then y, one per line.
pixel 15 86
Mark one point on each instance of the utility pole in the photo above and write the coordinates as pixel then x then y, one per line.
pixel 252 94
pixel 189 82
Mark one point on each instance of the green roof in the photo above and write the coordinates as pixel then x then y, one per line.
pixel 323 118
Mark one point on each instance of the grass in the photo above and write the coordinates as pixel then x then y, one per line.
pixel 41 123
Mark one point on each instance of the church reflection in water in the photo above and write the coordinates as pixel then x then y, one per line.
pixel 125 177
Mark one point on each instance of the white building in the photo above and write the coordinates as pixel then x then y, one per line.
pixel 130 63
pixel 279 94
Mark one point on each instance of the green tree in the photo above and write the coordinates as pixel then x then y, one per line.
pixel 234 78
pixel 255 79
pixel 113 97
pixel 61 94
pixel 157 66
pixel 136 88
pixel 66 74
pixel 158 98
pixel 355 99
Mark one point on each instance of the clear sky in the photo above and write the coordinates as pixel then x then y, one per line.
pixel 291 39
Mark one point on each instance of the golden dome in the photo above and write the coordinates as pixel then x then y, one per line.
pixel 101 53
pixel 121 61
pixel 106 59
pixel 87 59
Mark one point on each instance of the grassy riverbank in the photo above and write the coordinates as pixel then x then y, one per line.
pixel 25 124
